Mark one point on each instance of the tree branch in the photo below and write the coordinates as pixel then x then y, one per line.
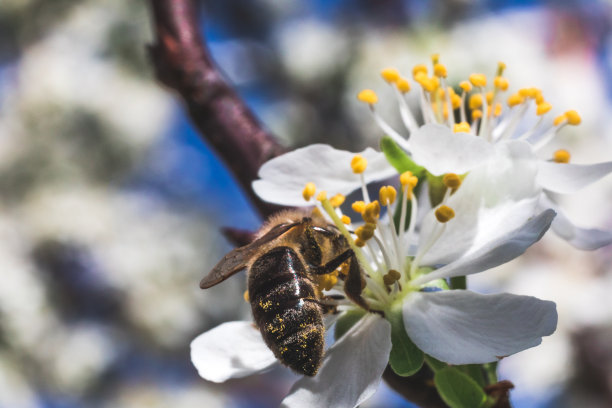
pixel 183 63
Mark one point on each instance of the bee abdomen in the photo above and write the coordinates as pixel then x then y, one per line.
pixel 282 300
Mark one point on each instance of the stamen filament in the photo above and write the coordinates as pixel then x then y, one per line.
pixel 388 130
pixel 405 112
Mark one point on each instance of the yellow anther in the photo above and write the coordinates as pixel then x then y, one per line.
pixel 444 214
pixel 337 200
pixel 371 212
pixel 403 85
pixel 387 195
pixel 365 233
pixel 428 84
pixel 501 83
pixel 441 93
pixel 245 295
pixel 543 108
pixel 475 101
pixel 358 207
pixel 573 118
pixel 515 99
pixel 539 98
pixel 462 127
pixel 391 75
pixel 476 114
pixel 368 96
pixel 498 109
pixel 346 220
pixel 451 180
pixel 388 280
pixel 478 79
pixel 529 92
pixel 322 196
pixel 490 96
pixel 501 67
pixel 360 243
pixel 309 191
pixel 359 164
pixel 440 70
pixel 418 69
pixel 561 156
pixel 456 101
pixel 394 274
pixel 559 119
pixel 408 179
pixel 466 86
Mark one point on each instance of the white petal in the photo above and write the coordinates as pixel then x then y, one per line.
pixel 496 252
pixel 493 200
pixel 440 151
pixel 351 371
pixel 567 178
pixel 463 327
pixel 230 350
pixel 582 238
pixel 283 178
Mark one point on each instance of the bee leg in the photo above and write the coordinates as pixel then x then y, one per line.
pixel 354 284
pixel 333 264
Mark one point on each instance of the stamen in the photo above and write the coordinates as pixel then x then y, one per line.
pixel 391 75
pixel 462 127
pixel 573 118
pixel 346 220
pixel 452 181
pixel 440 70
pixel 543 108
pixel 479 80
pixel 501 83
pixel 475 101
pixel 309 191
pixel 403 85
pixel 561 156
pixel 337 200
pixel 466 86
pixel 368 96
pixel 358 206
pixel 476 114
pixel 322 196
pixel 444 214
pixel 359 164
pixel 366 231
pixel 419 68
pixel 515 99
pixel 387 195
pixel 371 212
pixel 560 119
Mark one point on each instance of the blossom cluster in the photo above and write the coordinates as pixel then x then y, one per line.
pixel 464 191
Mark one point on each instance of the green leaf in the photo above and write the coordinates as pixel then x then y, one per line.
pixel 434 364
pixel 398 157
pixel 405 358
pixel 436 189
pixel 458 390
pixel 346 321
pixel 475 371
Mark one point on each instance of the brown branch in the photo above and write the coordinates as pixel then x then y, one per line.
pixel 183 63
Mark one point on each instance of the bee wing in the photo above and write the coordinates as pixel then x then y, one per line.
pixel 239 258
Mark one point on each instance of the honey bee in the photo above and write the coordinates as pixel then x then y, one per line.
pixel 290 250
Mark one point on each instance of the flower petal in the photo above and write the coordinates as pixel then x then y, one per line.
pixel 496 252
pixel 493 200
pixel 230 350
pixel 351 371
pixel 582 238
pixel 283 178
pixel 464 327
pixel 567 178
pixel 440 151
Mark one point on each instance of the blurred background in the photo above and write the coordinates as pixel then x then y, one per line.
pixel 110 203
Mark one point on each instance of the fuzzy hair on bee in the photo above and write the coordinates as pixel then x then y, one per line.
pixel 288 253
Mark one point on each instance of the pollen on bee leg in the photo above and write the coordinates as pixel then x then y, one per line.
pixel 444 214
pixel 245 295
pixel 309 191
pixel 561 156
pixel 359 164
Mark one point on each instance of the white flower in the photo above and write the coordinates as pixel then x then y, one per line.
pixel 405 273
pixel 444 144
